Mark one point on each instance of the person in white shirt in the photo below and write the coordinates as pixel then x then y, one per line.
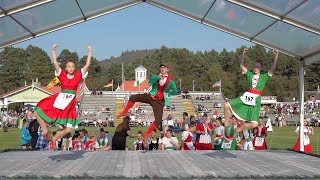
pixel 170 142
pixel 220 132
pixel 167 123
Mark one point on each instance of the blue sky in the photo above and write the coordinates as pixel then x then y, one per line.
pixel 139 27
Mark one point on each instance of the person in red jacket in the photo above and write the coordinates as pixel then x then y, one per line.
pixel 163 87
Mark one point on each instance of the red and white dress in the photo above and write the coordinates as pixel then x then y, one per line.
pixel 259 141
pixel 188 144
pixel 60 108
pixel 204 141
pixel 306 140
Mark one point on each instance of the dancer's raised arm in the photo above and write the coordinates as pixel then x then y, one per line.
pixel 274 64
pixel 243 67
pixel 54 58
pixel 86 67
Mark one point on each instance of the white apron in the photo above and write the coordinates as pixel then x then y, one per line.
pixel 259 141
pixel 63 100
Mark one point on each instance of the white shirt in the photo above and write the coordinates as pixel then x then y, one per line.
pixel 165 123
pixel 163 80
pixel 169 143
pixel 219 130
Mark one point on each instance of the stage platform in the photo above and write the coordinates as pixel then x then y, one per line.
pixel 158 164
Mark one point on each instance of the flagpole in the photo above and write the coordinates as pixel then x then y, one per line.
pixel 220 85
pixel 192 85
pixel 112 84
pixel 122 78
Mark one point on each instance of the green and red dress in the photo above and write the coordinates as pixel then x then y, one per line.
pixel 60 108
pixel 247 106
pixel 229 141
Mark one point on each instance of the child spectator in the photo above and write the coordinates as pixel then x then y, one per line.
pixel 186 143
pixel 25 137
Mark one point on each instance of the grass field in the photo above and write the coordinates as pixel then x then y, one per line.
pixel 280 138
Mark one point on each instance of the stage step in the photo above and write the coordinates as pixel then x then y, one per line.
pixel 119 108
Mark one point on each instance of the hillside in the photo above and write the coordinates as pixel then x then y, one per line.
pixel 128 56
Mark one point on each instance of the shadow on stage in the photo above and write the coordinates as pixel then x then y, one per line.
pixel 68 156
pixel 220 154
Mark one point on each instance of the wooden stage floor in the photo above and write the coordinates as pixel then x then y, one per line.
pixel 273 164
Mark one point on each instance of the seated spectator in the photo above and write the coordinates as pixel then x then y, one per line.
pixel 169 142
pixel 139 144
pixel 84 135
pixel 103 141
pixel 59 142
pixel 86 122
pixel 66 138
pixel 92 143
pixel 25 137
pixel 95 122
pixel 154 143
pixel 77 144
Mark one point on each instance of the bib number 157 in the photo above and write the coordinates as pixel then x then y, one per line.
pixel 249 98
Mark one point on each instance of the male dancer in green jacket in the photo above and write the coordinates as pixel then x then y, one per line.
pixel 162 87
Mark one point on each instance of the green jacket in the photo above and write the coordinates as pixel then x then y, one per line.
pixel 171 88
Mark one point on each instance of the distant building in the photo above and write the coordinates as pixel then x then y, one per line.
pixel 31 94
pixel 139 84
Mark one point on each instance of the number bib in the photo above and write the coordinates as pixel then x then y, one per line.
pixel 249 98
pixel 63 100
pixel 226 144
pixel 259 141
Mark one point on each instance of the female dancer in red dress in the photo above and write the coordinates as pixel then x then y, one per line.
pixel 60 108
pixel 260 134
pixel 306 141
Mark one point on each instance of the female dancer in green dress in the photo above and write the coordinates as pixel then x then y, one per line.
pixel 229 142
pixel 247 106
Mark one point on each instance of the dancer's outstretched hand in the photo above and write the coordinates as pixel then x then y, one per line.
pixel 245 50
pixel 276 52
pixel 89 48
pixel 54 47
